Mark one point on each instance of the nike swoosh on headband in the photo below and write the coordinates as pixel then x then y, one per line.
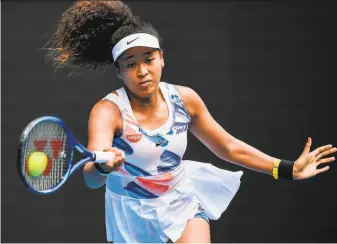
pixel 128 42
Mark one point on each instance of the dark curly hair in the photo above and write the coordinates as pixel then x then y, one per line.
pixel 87 32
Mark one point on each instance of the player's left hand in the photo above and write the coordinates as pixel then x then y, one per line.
pixel 306 165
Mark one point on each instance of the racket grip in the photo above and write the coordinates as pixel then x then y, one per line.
pixel 103 157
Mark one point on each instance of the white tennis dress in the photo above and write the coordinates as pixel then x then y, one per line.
pixel 155 193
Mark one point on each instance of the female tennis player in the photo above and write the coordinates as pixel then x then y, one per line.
pixel 152 194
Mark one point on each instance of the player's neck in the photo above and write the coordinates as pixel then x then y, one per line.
pixel 144 103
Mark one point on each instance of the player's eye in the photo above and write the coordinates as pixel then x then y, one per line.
pixel 132 65
pixel 148 60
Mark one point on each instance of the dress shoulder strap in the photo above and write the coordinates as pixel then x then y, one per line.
pixel 180 110
pixel 118 99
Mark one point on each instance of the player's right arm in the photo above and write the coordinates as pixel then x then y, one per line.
pixel 105 121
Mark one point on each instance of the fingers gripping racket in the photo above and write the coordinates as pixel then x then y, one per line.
pixel 45 155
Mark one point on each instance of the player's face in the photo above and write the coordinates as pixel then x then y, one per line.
pixel 141 69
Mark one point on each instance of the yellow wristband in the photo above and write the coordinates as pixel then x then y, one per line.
pixel 275 169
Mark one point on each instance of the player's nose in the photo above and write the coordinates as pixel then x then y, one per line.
pixel 142 70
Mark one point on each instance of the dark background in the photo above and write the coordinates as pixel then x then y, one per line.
pixel 265 69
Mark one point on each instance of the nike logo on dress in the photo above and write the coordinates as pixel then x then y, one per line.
pixel 159 143
pixel 128 42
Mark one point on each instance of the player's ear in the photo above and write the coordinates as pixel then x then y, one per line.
pixel 118 73
pixel 161 53
pixel 118 70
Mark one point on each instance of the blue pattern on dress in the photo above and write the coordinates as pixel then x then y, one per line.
pixel 122 145
pixel 170 160
pixel 137 191
pixel 134 170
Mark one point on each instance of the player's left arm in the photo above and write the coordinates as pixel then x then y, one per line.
pixel 233 150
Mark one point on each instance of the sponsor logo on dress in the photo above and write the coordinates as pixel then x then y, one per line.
pixel 134 137
pixel 181 129
pixel 159 143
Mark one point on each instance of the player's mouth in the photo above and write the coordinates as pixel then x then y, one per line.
pixel 145 83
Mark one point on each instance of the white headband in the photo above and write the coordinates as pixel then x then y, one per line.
pixel 134 40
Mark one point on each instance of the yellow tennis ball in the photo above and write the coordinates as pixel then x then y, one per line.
pixel 37 163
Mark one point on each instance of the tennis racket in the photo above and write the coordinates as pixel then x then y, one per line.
pixel 52 137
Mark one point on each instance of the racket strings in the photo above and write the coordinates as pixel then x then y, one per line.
pixel 50 138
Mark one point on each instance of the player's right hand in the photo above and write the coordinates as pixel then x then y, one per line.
pixel 115 164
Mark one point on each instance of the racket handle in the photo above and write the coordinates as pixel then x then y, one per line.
pixel 103 157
